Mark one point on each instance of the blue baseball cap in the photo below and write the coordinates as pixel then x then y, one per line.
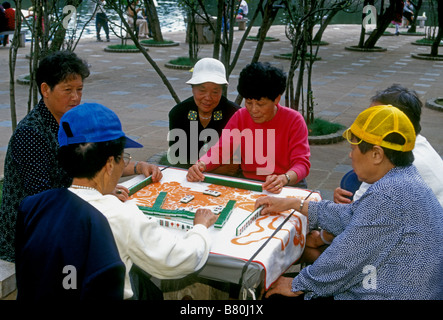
pixel 91 122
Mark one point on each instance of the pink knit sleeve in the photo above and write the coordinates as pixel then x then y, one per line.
pixel 299 151
pixel 215 157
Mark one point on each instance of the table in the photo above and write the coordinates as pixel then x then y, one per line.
pixel 230 250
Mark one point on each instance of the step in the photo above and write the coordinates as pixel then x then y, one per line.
pixel 7 278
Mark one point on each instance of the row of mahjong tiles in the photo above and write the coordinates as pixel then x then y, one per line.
pixel 242 235
pixel 169 213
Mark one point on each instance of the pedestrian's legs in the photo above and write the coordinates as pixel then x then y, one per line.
pixel 106 28
pixel 142 28
pixel 98 27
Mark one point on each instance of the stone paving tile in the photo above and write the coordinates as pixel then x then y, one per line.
pixel 343 83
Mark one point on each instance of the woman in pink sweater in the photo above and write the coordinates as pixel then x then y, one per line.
pixel 269 141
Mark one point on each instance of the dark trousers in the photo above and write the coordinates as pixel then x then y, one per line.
pixel 101 21
pixel 142 286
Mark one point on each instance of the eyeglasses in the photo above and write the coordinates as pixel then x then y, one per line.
pixel 349 136
pixel 126 158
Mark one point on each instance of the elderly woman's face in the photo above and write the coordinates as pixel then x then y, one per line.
pixel 64 96
pixel 118 165
pixel 361 162
pixel 207 96
pixel 262 110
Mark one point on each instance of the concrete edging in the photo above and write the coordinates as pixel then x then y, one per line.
pixel 328 138
pixel 432 104
pixel 427 56
pixel 375 49
pixel 176 66
pixel 268 39
pixel 22 80
pixel 7 278
pixel 166 44
pixel 282 56
pixel 107 49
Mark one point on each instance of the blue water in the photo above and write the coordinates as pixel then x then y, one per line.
pixel 171 18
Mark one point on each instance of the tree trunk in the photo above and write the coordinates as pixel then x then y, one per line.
pixel 325 23
pixel 153 22
pixel 12 61
pixel 243 39
pixel 383 21
pixel 269 14
pixel 60 32
pixel 413 25
pixel 268 18
pixel 142 49
pixel 361 41
pixel 218 28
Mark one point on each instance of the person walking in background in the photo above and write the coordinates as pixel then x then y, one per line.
pixel 101 20
pixel 408 12
pixel 3 23
pixel 243 8
pixel 398 15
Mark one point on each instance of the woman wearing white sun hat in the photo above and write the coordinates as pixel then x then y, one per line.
pixel 201 115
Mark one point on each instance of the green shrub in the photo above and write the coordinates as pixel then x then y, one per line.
pixel 322 127
pixel 122 46
pixel 183 61
pixel 152 41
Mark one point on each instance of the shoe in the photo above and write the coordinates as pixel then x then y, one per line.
pixel 107 40
pixel 99 40
pixel 397 33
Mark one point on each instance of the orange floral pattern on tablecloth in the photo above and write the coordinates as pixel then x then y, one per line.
pixel 245 200
pixel 295 220
pixel 146 197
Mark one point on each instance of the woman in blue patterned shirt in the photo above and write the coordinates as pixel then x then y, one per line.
pixel 389 243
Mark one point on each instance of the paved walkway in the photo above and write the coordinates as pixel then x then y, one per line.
pixel 343 83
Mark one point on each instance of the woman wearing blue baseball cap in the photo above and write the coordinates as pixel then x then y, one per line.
pixel 92 147
pixel 31 165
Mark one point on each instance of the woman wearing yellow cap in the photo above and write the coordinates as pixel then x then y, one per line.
pixel 388 243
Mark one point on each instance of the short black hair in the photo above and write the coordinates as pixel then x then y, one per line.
pixel 85 160
pixel 397 158
pixel 261 80
pixel 6 5
pixel 404 99
pixel 59 66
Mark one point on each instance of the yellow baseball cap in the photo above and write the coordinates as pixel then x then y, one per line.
pixel 375 123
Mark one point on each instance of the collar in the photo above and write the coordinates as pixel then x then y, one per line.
pixel 47 116
pixel 216 115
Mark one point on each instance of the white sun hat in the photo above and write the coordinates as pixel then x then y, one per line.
pixel 208 70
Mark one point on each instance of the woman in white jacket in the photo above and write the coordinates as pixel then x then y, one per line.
pixel 91 150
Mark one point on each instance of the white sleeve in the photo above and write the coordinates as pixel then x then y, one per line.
pixel 363 187
pixel 162 253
